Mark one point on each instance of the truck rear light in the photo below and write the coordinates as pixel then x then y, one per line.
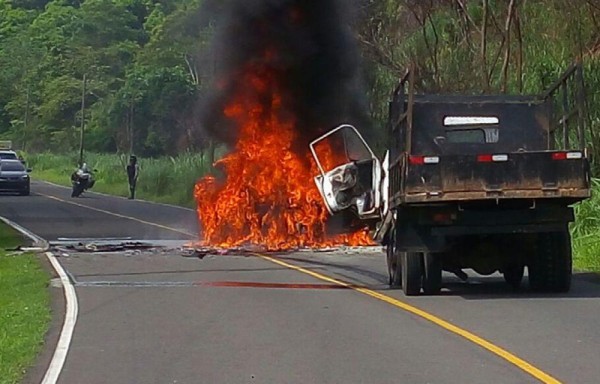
pixel 567 155
pixel 420 160
pixel 416 160
pixel 492 158
pixel 442 217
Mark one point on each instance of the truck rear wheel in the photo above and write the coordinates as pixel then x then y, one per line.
pixel 432 273
pixel 550 269
pixel 513 275
pixel 412 272
pixel 393 264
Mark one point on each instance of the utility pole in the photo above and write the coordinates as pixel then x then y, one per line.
pixel 131 128
pixel 81 137
pixel 25 121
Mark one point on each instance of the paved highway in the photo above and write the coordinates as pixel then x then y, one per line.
pixel 304 317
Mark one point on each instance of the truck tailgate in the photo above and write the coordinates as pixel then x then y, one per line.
pixel 545 174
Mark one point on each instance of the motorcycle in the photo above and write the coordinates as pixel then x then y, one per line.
pixel 82 180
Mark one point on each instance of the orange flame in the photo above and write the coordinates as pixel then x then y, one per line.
pixel 268 196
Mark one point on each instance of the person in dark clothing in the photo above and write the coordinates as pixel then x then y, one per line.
pixel 133 171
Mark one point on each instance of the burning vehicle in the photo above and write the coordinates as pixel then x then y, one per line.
pixel 483 182
pixel 291 75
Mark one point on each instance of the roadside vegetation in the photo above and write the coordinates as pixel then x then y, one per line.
pixel 586 232
pixel 24 307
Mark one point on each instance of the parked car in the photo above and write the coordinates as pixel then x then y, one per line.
pixel 14 177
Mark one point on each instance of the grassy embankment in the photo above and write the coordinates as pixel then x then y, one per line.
pixel 165 180
pixel 586 232
pixel 24 308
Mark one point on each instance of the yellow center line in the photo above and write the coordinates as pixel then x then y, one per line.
pixel 501 352
pixel 119 215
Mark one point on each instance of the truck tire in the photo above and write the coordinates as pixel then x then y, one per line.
pixel 551 267
pixel 412 272
pixel 432 273
pixel 393 264
pixel 513 275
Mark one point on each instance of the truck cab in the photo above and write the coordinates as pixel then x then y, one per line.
pixel 479 182
pixel 350 173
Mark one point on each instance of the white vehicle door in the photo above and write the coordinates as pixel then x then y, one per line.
pixel 349 172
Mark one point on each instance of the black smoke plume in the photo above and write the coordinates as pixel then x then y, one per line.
pixel 316 63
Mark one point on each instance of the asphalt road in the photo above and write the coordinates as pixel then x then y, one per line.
pixel 51 213
pixel 160 317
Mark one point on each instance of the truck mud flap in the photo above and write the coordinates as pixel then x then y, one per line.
pixel 386 225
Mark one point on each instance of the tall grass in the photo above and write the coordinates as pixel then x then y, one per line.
pixel 586 231
pixel 167 180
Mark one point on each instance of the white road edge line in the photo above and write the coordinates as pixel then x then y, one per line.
pixel 41 245
pixel 62 348
pixel 118 197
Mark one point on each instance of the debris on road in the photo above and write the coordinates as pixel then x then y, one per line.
pixel 188 250
pixel 21 248
pixel 106 247
pixel 201 251
pixel 128 246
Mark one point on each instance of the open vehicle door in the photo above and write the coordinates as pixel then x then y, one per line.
pixel 350 174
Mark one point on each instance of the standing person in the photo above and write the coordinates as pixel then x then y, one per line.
pixel 133 171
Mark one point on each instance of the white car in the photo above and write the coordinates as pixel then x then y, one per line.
pixel 8 155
